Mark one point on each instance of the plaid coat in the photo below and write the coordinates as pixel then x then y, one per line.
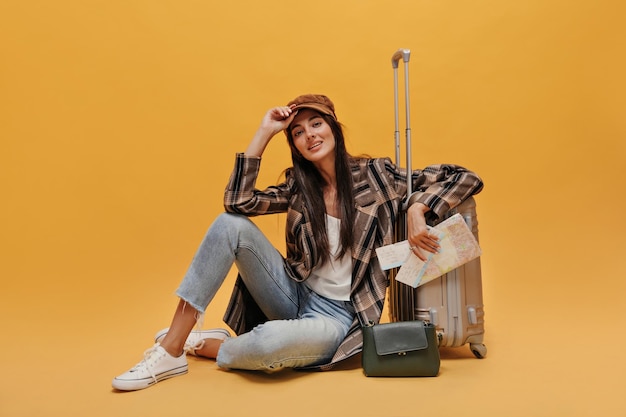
pixel 379 188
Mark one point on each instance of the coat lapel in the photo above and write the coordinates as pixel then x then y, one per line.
pixel 365 225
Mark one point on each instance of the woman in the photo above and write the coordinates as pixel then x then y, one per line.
pixel 304 310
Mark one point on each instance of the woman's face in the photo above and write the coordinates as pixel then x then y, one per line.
pixel 312 136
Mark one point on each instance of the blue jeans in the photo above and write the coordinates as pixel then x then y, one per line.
pixel 304 329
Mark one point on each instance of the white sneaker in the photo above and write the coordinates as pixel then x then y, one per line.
pixel 156 366
pixel 195 340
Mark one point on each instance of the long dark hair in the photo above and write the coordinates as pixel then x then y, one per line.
pixel 312 184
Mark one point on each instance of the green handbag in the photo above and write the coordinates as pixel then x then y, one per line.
pixel 405 348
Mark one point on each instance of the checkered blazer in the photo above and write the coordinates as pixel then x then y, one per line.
pixel 379 188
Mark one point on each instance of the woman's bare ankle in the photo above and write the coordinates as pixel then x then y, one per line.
pixel 174 349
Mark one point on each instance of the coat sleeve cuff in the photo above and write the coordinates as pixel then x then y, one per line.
pixel 438 206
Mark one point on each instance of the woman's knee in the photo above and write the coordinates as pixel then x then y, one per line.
pixel 231 220
pixel 230 225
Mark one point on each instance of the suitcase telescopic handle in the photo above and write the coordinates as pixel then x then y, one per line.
pixel 405 55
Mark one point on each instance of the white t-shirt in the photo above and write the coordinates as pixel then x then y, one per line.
pixel 333 278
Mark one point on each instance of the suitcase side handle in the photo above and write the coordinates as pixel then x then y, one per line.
pixel 405 55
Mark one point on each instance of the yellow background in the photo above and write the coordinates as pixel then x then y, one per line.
pixel 118 125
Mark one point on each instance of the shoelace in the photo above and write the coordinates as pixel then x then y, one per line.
pixel 148 356
pixel 189 348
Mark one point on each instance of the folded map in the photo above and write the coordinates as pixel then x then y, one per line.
pixel 458 246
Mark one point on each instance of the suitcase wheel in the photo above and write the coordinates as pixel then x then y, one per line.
pixel 479 350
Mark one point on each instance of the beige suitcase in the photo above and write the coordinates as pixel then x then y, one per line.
pixel 454 301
